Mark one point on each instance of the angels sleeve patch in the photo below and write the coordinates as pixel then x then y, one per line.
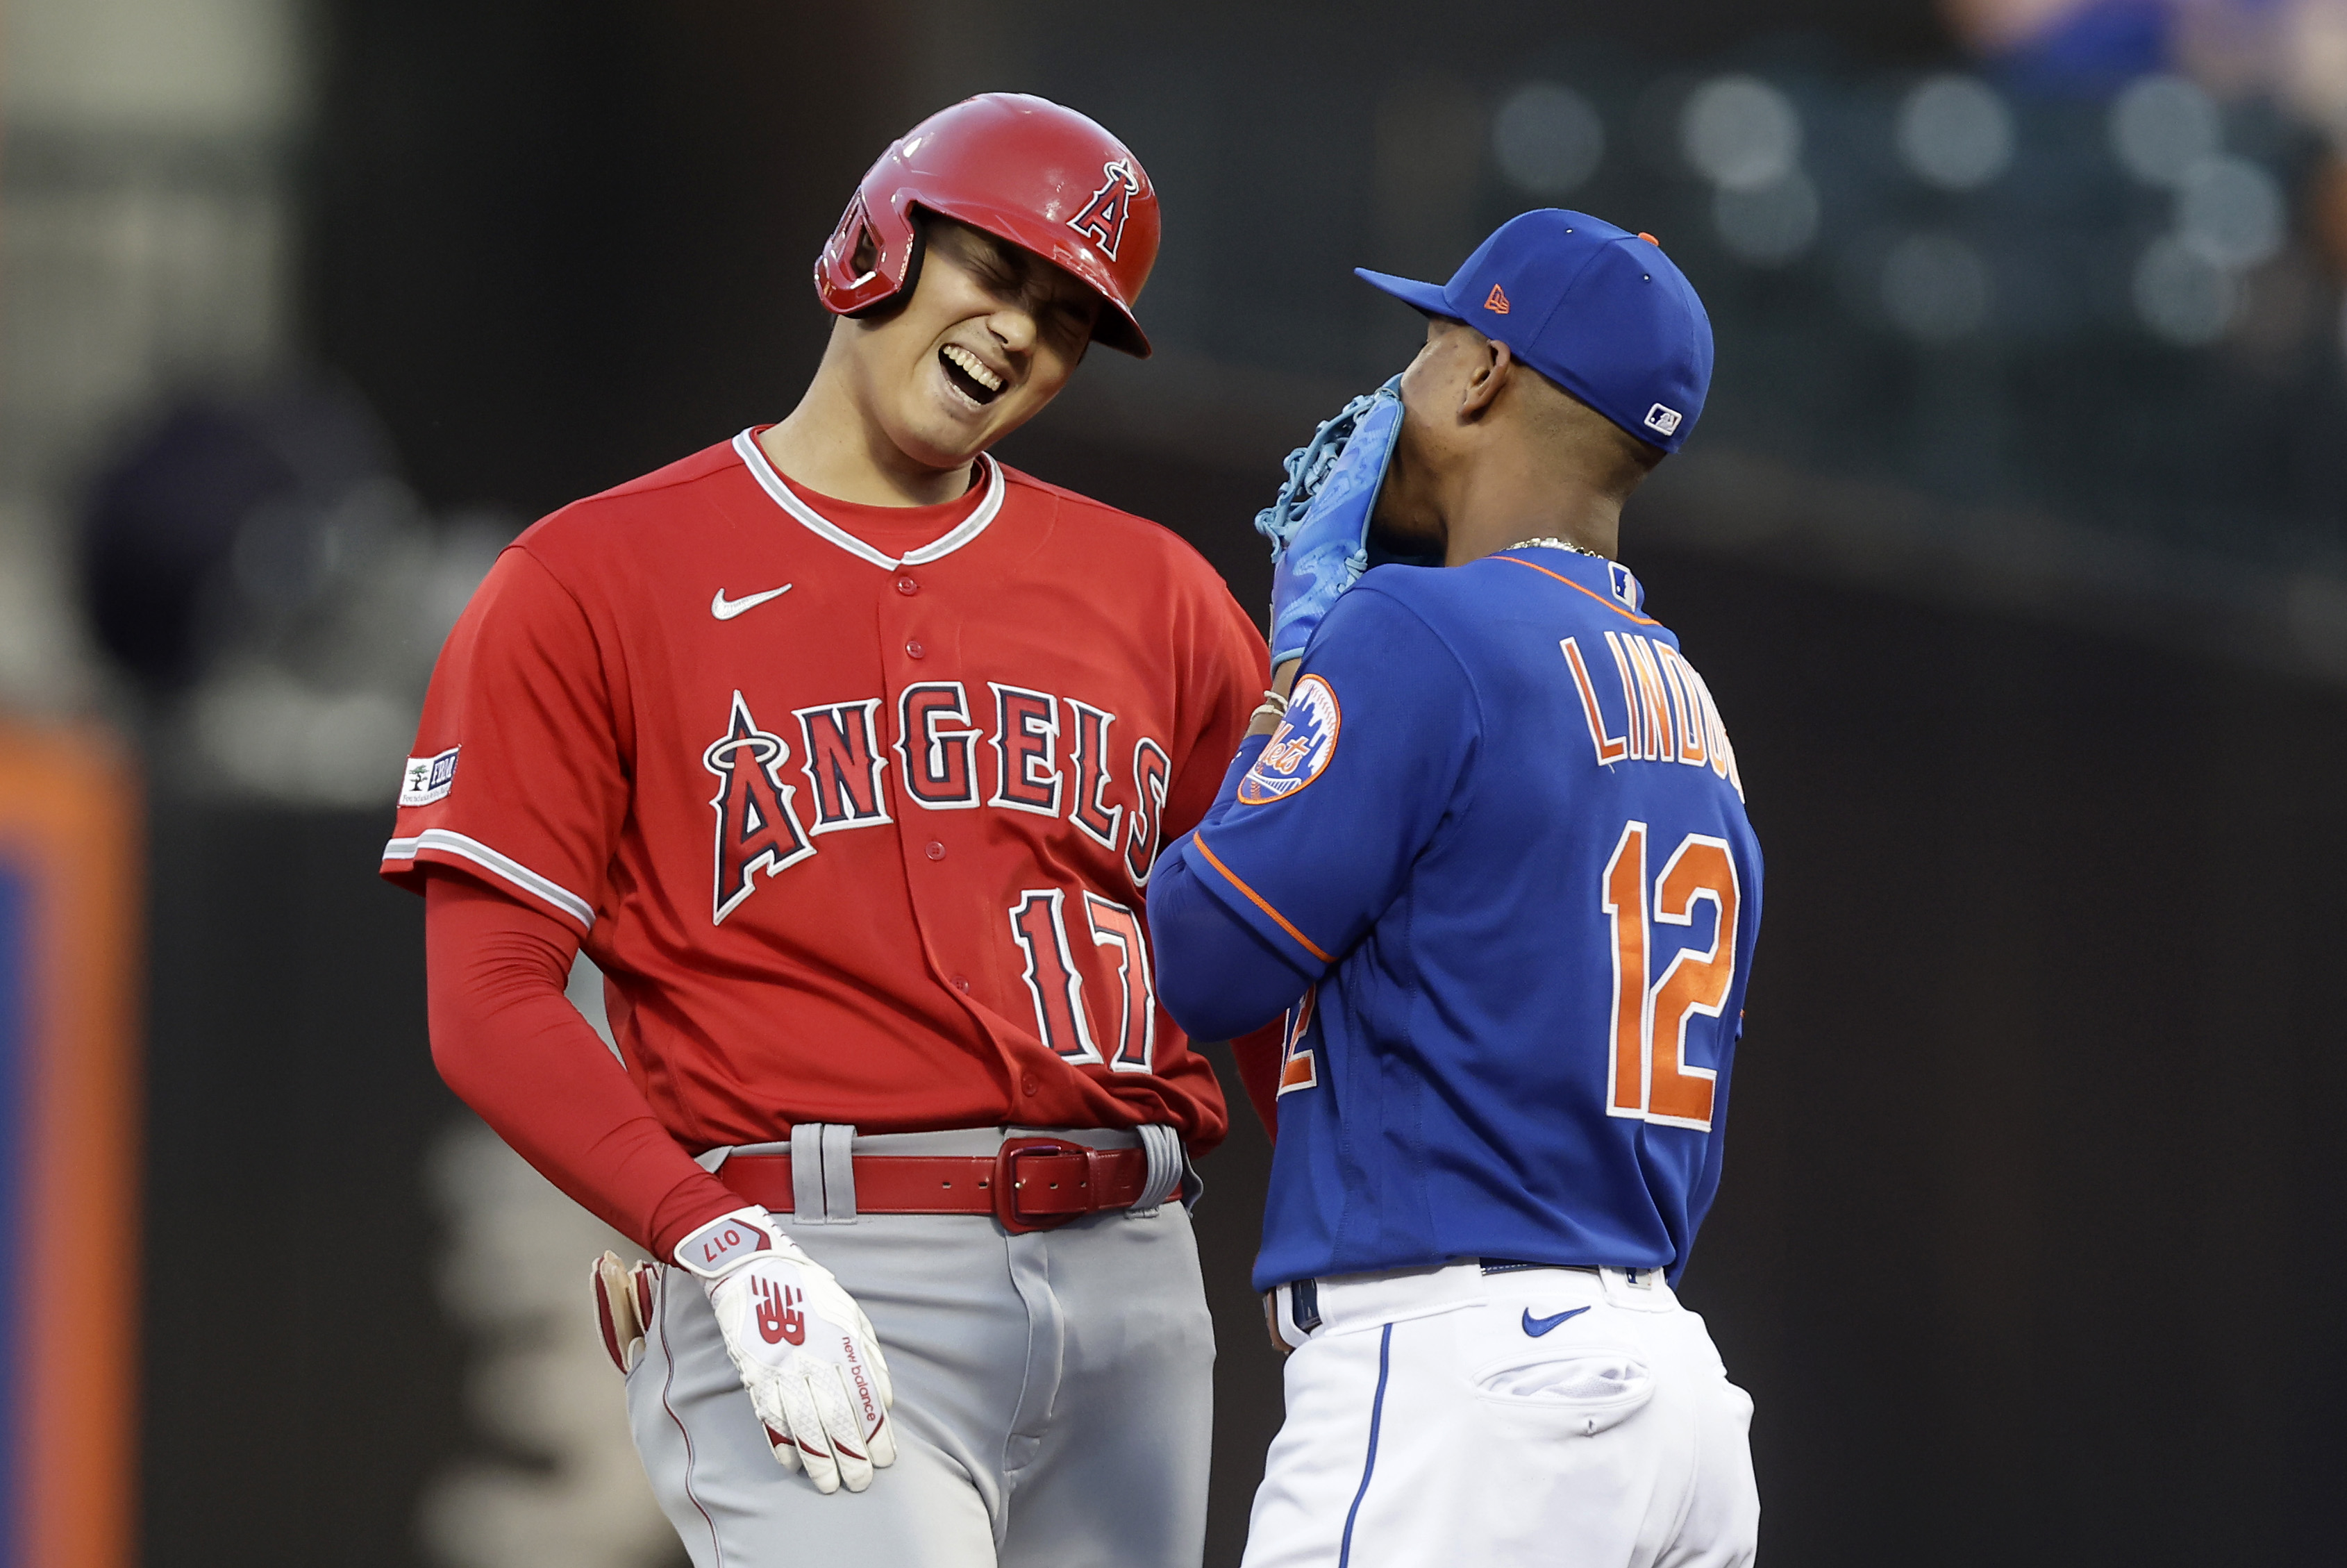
pixel 1299 749
pixel 428 779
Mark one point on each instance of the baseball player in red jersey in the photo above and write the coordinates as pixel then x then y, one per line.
pixel 844 750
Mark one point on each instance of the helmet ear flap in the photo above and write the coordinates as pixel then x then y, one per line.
pixel 914 254
pixel 853 275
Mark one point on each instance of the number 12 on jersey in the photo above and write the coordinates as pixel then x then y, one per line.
pixel 1647 1073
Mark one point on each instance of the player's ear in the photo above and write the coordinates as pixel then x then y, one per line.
pixel 1490 369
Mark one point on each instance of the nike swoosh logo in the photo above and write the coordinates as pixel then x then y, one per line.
pixel 1536 1326
pixel 725 609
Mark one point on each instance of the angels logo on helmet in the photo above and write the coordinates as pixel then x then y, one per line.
pixel 1300 748
pixel 1103 218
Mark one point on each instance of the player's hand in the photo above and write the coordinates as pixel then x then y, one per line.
pixel 1319 525
pixel 805 1351
pixel 623 1307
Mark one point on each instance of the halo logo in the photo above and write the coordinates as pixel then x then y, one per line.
pixel 1103 218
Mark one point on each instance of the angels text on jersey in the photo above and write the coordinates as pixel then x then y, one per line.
pixel 781 787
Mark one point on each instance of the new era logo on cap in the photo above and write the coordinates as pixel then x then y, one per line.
pixel 1662 420
pixel 1496 301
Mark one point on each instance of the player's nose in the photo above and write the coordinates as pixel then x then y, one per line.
pixel 1014 327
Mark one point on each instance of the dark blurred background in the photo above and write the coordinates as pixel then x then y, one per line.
pixel 2014 544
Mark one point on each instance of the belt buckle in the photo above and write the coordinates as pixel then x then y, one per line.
pixel 1006 1183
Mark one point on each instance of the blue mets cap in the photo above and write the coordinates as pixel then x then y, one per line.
pixel 1598 310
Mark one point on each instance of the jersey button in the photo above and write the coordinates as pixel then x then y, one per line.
pixel 913 650
pixel 937 851
pixel 961 984
pixel 906 585
pixel 1029 1085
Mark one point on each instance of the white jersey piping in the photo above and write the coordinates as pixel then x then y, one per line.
pixel 753 457
pixel 502 867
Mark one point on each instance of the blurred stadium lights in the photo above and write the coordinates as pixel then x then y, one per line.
pixel 2230 211
pixel 1745 137
pixel 1955 132
pixel 2161 126
pixel 1548 140
pixel 1740 133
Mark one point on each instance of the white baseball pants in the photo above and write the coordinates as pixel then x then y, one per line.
pixel 1545 1416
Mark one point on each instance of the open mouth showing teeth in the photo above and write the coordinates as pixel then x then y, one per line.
pixel 969 374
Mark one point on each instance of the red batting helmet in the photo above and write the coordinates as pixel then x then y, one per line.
pixel 1023 168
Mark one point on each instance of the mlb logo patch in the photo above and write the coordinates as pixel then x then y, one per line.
pixel 1662 420
pixel 1299 749
pixel 428 779
pixel 1626 588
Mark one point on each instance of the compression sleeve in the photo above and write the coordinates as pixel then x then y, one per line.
pixel 514 1050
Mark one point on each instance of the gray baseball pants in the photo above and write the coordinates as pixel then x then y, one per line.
pixel 1054 1396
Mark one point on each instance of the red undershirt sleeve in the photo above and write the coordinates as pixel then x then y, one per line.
pixel 513 1047
pixel 1257 1054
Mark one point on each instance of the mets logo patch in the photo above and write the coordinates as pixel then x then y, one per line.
pixel 1299 749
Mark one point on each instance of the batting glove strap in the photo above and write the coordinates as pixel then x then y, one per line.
pixel 1319 525
pixel 729 1241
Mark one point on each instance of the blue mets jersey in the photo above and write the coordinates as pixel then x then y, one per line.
pixel 1497 866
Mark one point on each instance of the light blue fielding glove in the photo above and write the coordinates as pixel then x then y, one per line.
pixel 1319 525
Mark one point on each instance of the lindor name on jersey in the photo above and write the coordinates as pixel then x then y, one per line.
pixel 1665 715
pixel 767 822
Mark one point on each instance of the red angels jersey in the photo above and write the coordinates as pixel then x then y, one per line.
pixel 859 826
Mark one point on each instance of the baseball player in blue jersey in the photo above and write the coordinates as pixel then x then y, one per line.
pixel 1496 844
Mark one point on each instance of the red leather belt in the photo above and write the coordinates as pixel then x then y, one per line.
pixel 1029 1185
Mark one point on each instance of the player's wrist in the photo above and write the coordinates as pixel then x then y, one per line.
pixel 728 1242
pixel 1274 707
pixel 1268 713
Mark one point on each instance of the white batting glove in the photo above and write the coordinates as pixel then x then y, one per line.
pixel 804 1349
